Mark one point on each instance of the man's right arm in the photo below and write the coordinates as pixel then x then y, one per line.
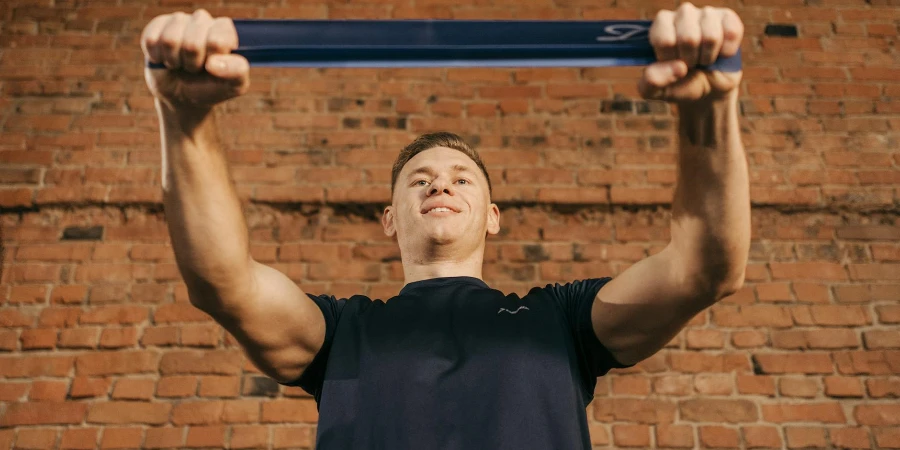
pixel 278 326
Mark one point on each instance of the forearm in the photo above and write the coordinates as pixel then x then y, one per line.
pixel 711 209
pixel 206 224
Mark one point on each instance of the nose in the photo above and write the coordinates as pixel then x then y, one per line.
pixel 439 185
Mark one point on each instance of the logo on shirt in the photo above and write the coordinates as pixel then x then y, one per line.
pixel 513 312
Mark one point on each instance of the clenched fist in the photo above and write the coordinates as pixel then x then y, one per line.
pixel 200 70
pixel 684 38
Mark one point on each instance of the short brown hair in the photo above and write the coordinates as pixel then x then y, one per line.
pixel 431 140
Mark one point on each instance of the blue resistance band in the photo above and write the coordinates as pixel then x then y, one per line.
pixel 449 43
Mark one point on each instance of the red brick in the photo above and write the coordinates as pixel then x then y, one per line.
pixel 249 436
pixel 218 362
pixel 289 411
pixel 177 386
pixel 634 410
pixel 698 339
pixel 129 413
pixel 599 434
pixel 38 339
pixel 120 362
pixel 84 387
pixel 762 437
pixel 731 411
pixel 850 437
pixel 887 437
pixel 809 412
pixel 714 384
pixel 883 387
pixel 674 436
pixel 756 385
pixel 121 438
pixel 79 338
pixel 197 413
pixel 12 391
pixel 804 437
pixel 809 363
pixel 133 389
pixel 118 337
pixel 80 438
pixel 748 338
pixel 631 384
pixel 43 413
pixel 719 437
pixel 291 436
pixel 241 411
pixel 631 436
pixel 206 436
pixel 47 390
pixel 164 437
pixel 37 438
pixel 880 415
pixel 213 386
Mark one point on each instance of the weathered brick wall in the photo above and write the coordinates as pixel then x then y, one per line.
pixel 99 347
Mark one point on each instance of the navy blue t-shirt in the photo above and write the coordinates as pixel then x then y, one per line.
pixel 451 364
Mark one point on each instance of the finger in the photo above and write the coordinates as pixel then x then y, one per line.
pixel 171 40
pixel 658 77
pixel 222 37
pixel 732 32
pixel 230 67
pixel 150 38
pixel 710 35
pixel 687 33
pixel 193 45
pixel 662 36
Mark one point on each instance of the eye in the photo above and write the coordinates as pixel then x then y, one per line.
pixel 420 183
pixel 463 181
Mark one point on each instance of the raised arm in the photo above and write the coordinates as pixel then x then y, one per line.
pixel 280 328
pixel 643 308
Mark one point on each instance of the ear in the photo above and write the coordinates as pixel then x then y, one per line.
pixel 387 221
pixel 493 219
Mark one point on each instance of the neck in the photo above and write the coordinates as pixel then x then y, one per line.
pixel 438 264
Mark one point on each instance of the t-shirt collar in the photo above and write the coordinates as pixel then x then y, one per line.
pixel 441 281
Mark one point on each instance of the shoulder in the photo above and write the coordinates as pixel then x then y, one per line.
pixel 588 286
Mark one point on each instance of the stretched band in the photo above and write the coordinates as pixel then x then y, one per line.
pixel 449 43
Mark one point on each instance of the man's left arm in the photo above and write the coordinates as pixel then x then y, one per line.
pixel 642 309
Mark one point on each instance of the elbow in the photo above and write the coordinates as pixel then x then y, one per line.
pixel 719 282
pixel 729 284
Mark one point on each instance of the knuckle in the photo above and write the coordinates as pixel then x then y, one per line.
pixel 169 41
pixel 217 44
pixel 689 40
pixel 201 13
pixel 190 47
pixel 664 41
pixel 687 6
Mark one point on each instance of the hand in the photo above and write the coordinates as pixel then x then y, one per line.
pixel 200 70
pixel 684 38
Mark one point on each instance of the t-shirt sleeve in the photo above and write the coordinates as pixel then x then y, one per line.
pixel 576 300
pixel 312 378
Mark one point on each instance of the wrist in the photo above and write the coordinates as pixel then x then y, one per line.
pixel 182 119
pixel 709 122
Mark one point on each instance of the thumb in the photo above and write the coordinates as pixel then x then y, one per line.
pixel 658 76
pixel 228 66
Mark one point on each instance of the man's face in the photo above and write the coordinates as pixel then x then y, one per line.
pixel 441 197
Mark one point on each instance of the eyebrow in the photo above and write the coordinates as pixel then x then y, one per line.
pixel 429 171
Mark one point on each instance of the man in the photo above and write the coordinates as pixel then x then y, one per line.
pixel 450 363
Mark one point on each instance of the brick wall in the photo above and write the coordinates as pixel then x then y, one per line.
pixel 99 347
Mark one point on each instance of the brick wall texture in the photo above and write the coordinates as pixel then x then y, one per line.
pixel 100 348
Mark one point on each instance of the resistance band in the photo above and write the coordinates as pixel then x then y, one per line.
pixel 449 43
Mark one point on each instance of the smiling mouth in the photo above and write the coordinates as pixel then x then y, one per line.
pixel 439 209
